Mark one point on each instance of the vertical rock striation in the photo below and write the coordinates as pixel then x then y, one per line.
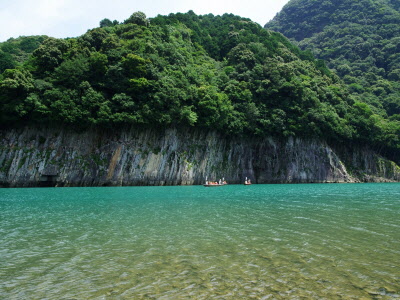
pixel 51 157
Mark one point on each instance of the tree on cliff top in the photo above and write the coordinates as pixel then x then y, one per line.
pixel 222 73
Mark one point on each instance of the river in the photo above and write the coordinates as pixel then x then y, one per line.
pixel 316 241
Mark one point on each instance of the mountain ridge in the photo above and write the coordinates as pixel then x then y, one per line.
pixel 211 73
pixel 358 40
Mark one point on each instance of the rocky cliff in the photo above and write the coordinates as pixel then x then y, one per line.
pixel 60 157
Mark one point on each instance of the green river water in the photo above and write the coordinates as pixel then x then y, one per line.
pixel 311 241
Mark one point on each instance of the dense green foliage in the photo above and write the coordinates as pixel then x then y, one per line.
pixel 15 52
pixel 360 40
pixel 221 73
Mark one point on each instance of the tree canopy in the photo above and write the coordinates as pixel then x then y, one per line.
pixel 360 40
pixel 223 73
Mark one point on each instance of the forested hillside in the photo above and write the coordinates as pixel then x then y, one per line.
pixel 360 40
pixel 222 73
pixel 15 52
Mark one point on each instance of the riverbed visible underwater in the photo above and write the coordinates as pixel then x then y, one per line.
pixel 306 241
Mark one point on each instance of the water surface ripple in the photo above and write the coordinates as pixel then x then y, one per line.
pixel 315 241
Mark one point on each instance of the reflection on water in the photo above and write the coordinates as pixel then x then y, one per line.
pixel 336 241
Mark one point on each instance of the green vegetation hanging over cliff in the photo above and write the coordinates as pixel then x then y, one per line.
pixel 222 73
pixel 358 39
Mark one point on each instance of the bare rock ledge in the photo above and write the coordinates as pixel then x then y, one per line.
pixel 59 157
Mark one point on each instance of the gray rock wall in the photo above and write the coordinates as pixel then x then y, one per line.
pixel 40 157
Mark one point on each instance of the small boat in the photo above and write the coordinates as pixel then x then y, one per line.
pixel 247 181
pixel 215 183
pixel 211 183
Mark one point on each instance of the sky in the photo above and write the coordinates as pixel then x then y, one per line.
pixel 72 18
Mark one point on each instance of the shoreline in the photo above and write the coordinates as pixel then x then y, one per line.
pixel 7 186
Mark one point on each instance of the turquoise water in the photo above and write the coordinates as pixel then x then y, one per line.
pixel 315 241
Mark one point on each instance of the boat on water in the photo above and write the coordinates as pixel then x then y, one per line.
pixel 215 183
pixel 211 183
pixel 247 181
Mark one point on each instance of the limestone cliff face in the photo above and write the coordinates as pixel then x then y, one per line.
pixel 35 157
